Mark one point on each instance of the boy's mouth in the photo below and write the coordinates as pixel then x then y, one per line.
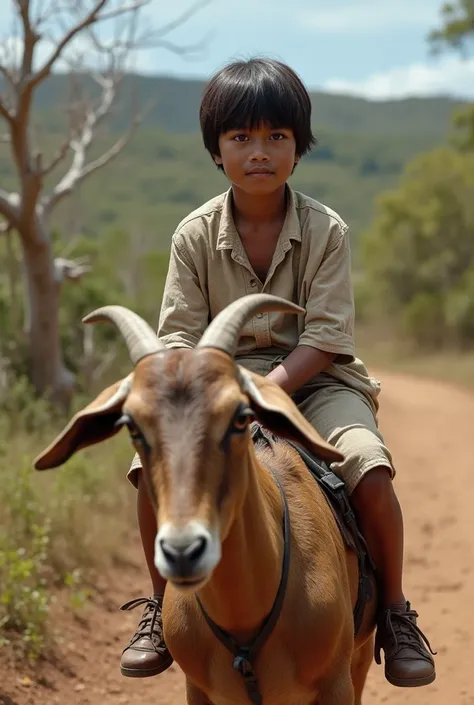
pixel 259 171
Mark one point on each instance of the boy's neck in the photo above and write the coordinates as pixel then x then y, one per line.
pixel 259 209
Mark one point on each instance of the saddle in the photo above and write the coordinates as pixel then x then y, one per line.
pixel 334 490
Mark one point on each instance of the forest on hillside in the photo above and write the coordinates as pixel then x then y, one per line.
pixel 165 172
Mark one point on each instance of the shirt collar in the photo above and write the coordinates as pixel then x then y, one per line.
pixel 228 237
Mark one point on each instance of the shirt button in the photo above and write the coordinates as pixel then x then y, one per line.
pixel 253 282
pixel 259 315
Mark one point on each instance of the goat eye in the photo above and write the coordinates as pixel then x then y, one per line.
pixel 135 434
pixel 241 420
pixel 126 420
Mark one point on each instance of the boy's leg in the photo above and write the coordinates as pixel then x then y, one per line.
pixel 345 418
pixel 146 654
pixel 407 660
pixel 380 519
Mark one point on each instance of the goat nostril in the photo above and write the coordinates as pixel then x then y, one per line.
pixel 188 554
pixel 171 554
pixel 195 550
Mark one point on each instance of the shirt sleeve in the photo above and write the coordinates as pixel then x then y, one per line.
pixel 329 320
pixel 184 313
pixel 184 310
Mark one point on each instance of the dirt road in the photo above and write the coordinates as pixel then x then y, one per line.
pixel 430 428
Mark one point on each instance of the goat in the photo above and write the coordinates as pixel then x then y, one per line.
pixel 224 507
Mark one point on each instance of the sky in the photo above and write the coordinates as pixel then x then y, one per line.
pixel 376 49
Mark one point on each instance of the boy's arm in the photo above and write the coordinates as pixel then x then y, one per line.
pixel 301 365
pixel 328 334
pixel 184 313
pixel 184 309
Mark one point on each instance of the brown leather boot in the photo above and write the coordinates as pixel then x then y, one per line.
pixel 146 654
pixel 408 663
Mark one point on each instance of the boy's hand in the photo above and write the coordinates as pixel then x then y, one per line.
pixel 301 365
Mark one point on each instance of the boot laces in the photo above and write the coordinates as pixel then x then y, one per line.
pixel 150 626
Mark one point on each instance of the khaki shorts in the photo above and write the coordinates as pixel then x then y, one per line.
pixel 343 416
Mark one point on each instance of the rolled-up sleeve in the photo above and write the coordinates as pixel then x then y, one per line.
pixel 184 313
pixel 184 310
pixel 329 320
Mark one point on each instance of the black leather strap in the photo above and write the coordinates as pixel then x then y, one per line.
pixel 244 656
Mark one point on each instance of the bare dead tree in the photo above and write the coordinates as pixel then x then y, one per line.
pixel 72 30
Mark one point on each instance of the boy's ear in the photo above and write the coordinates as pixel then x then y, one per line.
pixel 217 159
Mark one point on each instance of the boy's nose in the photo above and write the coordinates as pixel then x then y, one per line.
pixel 259 155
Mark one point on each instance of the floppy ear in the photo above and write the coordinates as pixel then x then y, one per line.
pixel 93 424
pixel 277 411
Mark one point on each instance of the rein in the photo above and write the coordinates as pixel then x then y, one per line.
pixel 244 656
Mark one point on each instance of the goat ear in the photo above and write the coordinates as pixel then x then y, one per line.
pixel 276 410
pixel 95 423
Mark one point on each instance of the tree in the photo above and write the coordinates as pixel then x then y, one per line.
pixel 457 32
pixel 457 29
pixel 72 31
pixel 419 252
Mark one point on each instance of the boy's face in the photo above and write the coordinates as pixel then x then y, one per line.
pixel 258 161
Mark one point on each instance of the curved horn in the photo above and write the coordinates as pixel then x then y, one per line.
pixel 224 331
pixel 140 339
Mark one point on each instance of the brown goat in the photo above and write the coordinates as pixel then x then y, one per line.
pixel 220 503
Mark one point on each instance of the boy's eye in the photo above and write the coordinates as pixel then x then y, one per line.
pixel 277 136
pixel 240 138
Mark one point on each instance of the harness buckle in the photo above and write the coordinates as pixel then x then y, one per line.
pixel 243 666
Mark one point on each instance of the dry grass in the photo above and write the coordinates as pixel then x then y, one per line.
pixel 379 349
pixel 57 528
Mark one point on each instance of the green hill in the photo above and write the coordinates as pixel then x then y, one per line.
pixel 165 172
pixel 177 103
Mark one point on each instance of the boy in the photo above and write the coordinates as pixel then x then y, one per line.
pixel 263 236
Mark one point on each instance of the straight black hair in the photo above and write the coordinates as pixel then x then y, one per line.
pixel 247 94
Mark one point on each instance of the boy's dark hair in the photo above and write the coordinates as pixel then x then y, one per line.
pixel 246 94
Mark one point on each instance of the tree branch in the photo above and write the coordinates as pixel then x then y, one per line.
pixel 57 159
pixel 80 170
pixel 44 16
pixel 7 76
pixel 5 112
pixel 91 18
pixel 188 50
pixel 9 208
pixel 48 65
pixel 123 9
pixel 181 19
pixel 70 269
pixel 111 153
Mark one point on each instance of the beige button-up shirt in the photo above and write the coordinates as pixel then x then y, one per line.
pixel 311 266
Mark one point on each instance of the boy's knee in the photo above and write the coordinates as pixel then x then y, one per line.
pixel 374 492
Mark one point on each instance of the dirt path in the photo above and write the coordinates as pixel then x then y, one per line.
pixel 430 428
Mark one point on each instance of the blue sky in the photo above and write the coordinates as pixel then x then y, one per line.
pixel 373 48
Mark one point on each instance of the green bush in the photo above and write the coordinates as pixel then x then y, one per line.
pixel 57 528
pixel 418 257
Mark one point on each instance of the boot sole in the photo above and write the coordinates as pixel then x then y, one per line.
pixel 142 673
pixel 411 683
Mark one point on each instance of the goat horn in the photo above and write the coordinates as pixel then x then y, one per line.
pixel 224 331
pixel 140 339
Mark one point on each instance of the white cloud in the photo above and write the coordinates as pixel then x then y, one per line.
pixel 369 16
pixel 448 77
